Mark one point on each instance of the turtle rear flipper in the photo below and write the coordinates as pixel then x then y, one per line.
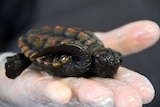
pixel 16 64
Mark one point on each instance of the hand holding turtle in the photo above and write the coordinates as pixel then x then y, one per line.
pixel 32 88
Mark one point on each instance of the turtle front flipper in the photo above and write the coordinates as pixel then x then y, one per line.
pixel 15 65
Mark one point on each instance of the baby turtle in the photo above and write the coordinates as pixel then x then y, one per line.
pixel 64 51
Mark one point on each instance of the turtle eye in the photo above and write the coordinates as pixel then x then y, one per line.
pixel 65 58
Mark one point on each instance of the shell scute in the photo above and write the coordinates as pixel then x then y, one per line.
pixel 50 42
pixel 70 32
pixel 58 30
pixel 46 29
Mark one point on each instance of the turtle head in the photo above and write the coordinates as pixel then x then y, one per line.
pixel 105 62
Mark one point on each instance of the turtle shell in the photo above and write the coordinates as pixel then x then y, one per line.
pixel 63 51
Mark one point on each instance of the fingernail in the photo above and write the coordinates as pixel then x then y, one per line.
pixel 59 92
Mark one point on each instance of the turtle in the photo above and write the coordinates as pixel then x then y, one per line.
pixel 64 52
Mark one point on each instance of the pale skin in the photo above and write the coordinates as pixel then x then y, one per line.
pixel 127 89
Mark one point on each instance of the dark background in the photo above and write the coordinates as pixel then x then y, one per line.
pixel 18 16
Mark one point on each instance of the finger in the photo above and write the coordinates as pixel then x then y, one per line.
pixel 90 93
pixel 44 89
pixel 132 37
pixel 140 83
pixel 125 96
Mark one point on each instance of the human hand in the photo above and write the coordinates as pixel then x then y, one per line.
pixel 128 88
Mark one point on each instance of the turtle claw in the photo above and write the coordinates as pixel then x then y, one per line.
pixel 16 64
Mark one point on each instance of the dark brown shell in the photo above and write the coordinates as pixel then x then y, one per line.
pixel 79 44
pixel 37 40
